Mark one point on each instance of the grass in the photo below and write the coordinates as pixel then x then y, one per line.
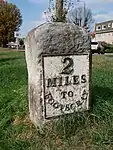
pixel 85 131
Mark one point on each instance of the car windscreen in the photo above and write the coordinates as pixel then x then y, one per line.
pixel 94 43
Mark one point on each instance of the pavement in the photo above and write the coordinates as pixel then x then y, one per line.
pixel 107 54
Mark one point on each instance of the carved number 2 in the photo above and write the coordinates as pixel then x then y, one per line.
pixel 69 68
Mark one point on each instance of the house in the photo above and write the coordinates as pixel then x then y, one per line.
pixel 104 31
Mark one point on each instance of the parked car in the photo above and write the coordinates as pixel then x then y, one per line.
pixel 12 45
pixel 96 47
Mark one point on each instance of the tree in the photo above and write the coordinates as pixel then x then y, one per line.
pixel 81 18
pixel 57 11
pixel 21 42
pixel 10 21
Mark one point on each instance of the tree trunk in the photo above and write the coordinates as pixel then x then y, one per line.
pixel 59 10
pixel 4 44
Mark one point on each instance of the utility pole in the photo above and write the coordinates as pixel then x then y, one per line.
pixel 59 10
pixel 84 12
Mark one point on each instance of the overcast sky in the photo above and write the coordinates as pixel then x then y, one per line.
pixel 32 11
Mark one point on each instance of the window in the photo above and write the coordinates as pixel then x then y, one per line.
pixel 98 28
pixel 103 27
pixel 109 25
pixel 94 43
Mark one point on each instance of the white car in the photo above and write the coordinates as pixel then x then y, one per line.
pixel 12 45
pixel 96 47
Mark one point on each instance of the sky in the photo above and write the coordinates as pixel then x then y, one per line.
pixel 33 11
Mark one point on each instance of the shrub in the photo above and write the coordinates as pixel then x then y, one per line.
pixel 108 48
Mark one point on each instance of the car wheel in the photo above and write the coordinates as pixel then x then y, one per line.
pixel 102 52
pixel 99 50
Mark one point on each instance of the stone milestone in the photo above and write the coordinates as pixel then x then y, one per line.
pixel 58 60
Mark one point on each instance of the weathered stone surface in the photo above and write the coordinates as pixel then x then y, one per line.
pixel 48 39
pixel 66 85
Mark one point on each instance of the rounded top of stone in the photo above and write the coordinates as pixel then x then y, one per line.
pixel 52 38
pixel 59 25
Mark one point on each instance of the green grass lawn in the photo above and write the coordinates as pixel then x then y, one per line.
pixel 85 131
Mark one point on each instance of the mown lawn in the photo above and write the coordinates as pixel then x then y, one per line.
pixel 85 131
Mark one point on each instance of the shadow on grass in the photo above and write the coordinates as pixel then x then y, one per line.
pixel 102 102
pixel 102 93
pixel 80 123
pixel 10 58
pixel 111 56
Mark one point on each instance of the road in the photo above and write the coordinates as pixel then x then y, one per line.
pixel 107 54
